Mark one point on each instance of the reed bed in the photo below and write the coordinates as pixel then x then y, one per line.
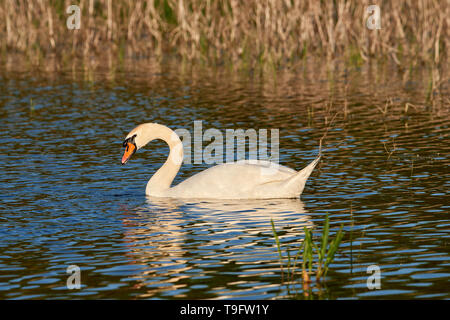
pixel 249 33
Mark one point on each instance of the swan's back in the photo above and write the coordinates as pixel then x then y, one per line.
pixel 244 179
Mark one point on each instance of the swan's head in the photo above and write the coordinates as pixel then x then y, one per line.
pixel 146 132
pixel 130 148
pixel 133 142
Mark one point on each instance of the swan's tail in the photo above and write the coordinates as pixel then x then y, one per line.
pixel 296 184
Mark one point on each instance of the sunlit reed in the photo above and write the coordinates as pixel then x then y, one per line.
pixel 248 33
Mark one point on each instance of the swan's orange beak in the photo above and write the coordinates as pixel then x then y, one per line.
pixel 130 149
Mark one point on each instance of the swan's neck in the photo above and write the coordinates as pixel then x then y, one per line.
pixel 163 178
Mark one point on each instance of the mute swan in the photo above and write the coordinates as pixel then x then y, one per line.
pixel 244 179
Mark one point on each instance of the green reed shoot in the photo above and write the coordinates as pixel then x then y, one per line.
pixel 277 241
pixel 317 255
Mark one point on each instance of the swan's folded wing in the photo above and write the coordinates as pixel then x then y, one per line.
pixel 233 180
pixel 296 183
pixel 245 179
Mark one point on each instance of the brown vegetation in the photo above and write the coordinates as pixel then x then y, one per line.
pixel 275 32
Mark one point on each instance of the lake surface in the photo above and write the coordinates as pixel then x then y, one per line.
pixel 67 200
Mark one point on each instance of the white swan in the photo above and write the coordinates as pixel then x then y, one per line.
pixel 245 179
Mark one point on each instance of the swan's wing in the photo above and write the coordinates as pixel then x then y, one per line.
pixel 264 164
pixel 258 171
pixel 232 180
pixel 296 183
pixel 245 179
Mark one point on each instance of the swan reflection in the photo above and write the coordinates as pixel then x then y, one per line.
pixel 174 239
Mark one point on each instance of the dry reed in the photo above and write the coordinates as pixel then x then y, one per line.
pixel 275 32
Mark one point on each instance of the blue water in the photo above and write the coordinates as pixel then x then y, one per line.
pixel 67 200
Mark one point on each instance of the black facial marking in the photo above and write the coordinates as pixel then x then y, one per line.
pixel 130 139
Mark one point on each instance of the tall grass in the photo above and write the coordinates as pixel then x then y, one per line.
pixel 316 257
pixel 254 32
